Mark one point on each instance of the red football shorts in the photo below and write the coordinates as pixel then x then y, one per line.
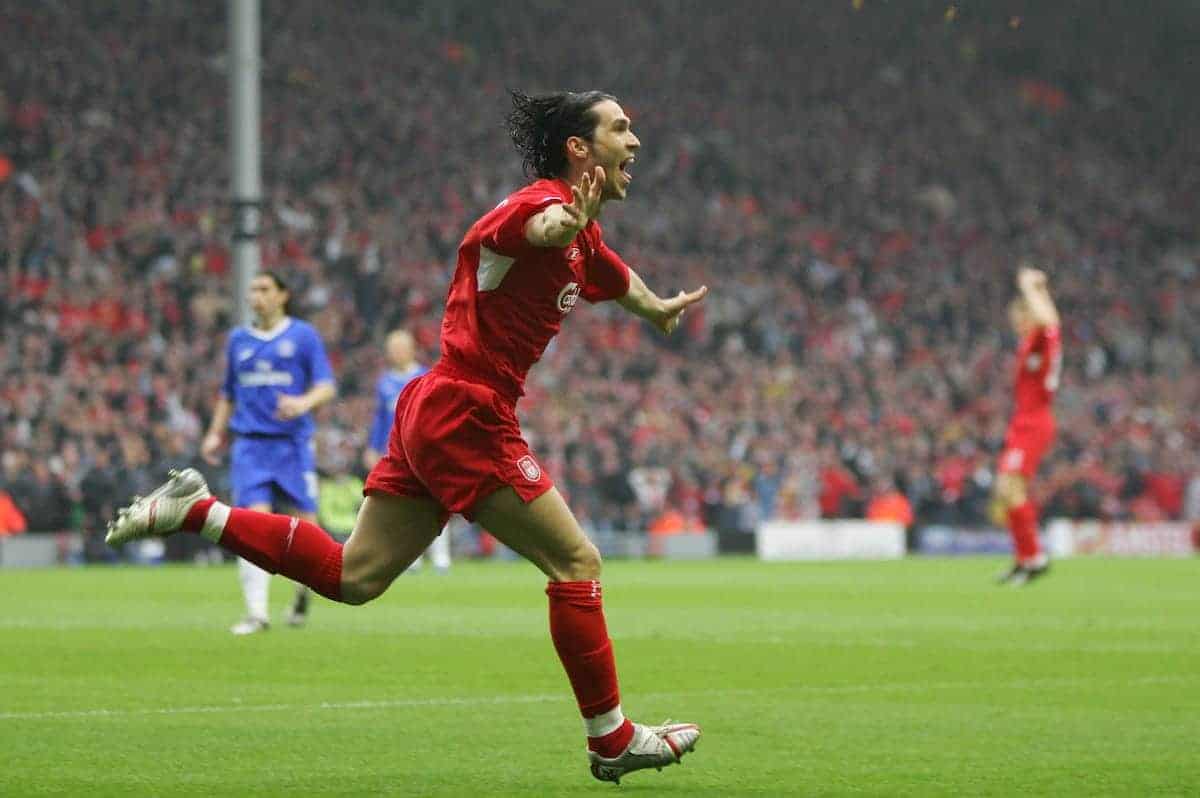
pixel 456 442
pixel 1025 445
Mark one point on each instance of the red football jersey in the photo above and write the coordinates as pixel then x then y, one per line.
pixel 1039 368
pixel 508 297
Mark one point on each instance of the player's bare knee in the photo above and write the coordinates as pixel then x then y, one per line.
pixel 584 564
pixel 355 591
pixel 360 591
pixel 351 595
pixel 363 581
pixel 361 594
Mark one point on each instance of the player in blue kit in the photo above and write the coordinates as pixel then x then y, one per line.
pixel 403 368
pixel 276 373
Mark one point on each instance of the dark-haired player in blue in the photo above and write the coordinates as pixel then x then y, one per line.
pixel 276 373
pixel 403 367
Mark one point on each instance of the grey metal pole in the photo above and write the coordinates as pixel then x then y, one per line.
pixel 244 131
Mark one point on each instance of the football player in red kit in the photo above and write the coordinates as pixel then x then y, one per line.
pixel 456 446
pixel 1031 430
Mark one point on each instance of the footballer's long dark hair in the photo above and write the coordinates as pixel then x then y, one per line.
pixel 541 125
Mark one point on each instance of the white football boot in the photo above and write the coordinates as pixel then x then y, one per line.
pixel 160 513
pixel 651 747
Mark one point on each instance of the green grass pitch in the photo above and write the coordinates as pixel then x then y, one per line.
pixel 912 678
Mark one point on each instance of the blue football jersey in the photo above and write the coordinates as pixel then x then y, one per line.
pixel 262 365
pixel 387 391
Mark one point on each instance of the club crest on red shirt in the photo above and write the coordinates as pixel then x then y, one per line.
pixel 529 468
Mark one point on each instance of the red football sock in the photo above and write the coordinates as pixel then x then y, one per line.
pixel 581 639
pixel 281 544
pixel 1023 525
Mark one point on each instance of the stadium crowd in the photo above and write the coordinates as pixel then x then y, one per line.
pixel 855 186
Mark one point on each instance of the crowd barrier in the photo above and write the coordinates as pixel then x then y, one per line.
pixel 1064 538
pixel 40 550
pixel 638 545
pixel 830 540
pixel 773 540
pixel 1122 539
pixel 941 540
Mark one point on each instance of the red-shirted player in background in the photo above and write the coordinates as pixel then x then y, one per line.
pixel 1031 431
pixel 456 447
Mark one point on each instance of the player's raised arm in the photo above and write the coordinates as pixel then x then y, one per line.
pixel 558 225
pixel 664 314
pixel 1032 284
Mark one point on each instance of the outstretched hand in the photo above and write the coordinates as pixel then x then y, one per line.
pixel 672 309
pixel 585 204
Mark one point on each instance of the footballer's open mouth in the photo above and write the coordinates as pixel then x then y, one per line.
pixel 624 167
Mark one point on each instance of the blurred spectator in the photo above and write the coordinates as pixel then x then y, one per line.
pixel 889 504
pixel 1191 510
pixel 43 499
pixel 840 494
pixel 12 522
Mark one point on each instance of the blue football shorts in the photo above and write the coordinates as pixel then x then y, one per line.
pixel 278 471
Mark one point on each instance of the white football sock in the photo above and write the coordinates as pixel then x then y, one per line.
pixel 439 550
pixel 256 585
pixel 214 522
pixel 606 723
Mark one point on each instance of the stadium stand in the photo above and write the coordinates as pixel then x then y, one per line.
pixel 859 227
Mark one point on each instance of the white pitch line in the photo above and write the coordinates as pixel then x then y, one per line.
pixel 203 710
pixel 823 635
pixel 547 698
